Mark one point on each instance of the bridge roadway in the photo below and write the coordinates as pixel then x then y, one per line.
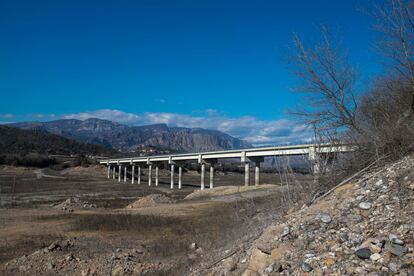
pixel 255 155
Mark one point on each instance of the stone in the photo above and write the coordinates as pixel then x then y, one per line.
pixel 54 246
pixel 193 246
pixel 286 231
pixel 375 257
pixel 393 267
pixel 395 249
pixel 259 260
pixel 69 257
pixel 269 269
pixel 50 266
pixel 325 218
pixel 375 248
pixel 329 261
pixel 306 267
pixel 363 253
pixel 394 239
pixel 365 205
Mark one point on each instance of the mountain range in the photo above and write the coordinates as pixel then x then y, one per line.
pixel 19 141
pixel 128 138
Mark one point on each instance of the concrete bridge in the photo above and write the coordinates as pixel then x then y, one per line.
pixel 247 156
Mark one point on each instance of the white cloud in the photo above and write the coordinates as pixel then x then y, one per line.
pixel 7 116
pixel 249 128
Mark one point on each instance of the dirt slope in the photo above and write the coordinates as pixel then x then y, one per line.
pixel 361 228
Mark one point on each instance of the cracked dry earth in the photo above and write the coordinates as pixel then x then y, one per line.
pixel 361 228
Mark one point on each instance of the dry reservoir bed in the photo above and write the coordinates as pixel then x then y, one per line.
pixel 75 222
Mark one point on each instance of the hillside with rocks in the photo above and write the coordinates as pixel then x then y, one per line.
pixel 128 138
pixel 364 227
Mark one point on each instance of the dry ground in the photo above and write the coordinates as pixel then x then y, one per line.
pixel 96 234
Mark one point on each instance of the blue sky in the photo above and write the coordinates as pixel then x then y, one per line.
pixel 177 62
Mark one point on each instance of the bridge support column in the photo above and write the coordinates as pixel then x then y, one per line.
pixel 133 174
pixel 180 176
pixel 257 173
pixel 246 174
pixel 211 162
pixel 119 173
pixel 203 172
pixel 156 175
pixel 257 161
pixel 172 176
pixel 108 171
pixel 139 175
pixel 125 173
pixel 314 160
pixel 149 174
pixel 211 176
pixel 114 172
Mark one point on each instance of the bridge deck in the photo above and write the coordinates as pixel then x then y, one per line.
pixel 303 149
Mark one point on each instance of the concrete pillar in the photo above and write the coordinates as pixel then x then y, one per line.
pixel 246 174
pixel 114 172
pixel 109 171
pixel 203 171
pixel 119 173
pixel 125 173
pixel 149 174
pixel 139 175
pixel 211 176
pixel 156 175
pixel 257 173
pixel 180 175
pixel 133 174
pixel 172 176
pixel 314 159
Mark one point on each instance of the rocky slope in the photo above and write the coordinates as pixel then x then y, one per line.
pixel 126 138
pixel 361 228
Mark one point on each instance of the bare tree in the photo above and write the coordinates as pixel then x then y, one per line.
pixel 327 82
pixel 395 22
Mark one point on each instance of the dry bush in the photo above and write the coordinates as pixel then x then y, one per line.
pixel 380 116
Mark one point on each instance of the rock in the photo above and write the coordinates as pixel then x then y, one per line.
pixel 193 246
pixel 363 253
pixel 325 218
pixel 393 267
pixel 199 251
pixel 286 231
pixel 329 261
pixel 54 246
pixel 365 205
pixel 375 248
pixel 375 257
pixel 50 266
pixel 395 249
pixel 394 239
pixel 259 260
pixel 69 257
pixel 306 267
pixel 274 267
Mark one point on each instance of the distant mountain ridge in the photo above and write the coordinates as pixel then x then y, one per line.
pixel 19 141
pixel 127 138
